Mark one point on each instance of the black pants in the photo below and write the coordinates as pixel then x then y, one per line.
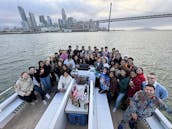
pixel 29 98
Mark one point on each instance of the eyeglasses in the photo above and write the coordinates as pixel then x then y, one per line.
pixel 151 78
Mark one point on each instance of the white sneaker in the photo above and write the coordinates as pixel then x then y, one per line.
pixel 48 96
pixel 114 109
pixel 32 103
pixel 44 102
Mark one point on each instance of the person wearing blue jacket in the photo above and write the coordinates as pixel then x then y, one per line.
pixel 104 81
pixel 160 91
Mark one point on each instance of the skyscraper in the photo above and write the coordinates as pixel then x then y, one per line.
pixel 49 21
pixel 24 21
pixel 64 17
pixel 22 13
pixel 33 21
pixel 42 20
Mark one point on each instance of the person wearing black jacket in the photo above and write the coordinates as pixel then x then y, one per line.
pixel 44 73
pixel 37 83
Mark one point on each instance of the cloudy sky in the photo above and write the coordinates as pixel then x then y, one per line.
pixel 88 9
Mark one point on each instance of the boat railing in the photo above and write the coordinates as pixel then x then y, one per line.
pixel 6 93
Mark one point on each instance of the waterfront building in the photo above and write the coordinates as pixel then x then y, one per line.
pixel 49 21
pixel 42 20
pixel 64 17
pixel 24 21
pixel 33 21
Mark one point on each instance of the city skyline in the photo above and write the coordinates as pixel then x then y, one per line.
pixel 83 10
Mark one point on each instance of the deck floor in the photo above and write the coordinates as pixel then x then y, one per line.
pixel 28 117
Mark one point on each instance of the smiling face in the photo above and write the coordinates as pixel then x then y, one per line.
pixel 150 91
pixel 139 70
pixel 151 79
pixel 25 76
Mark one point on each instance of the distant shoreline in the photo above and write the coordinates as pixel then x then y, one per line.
pixel 5 33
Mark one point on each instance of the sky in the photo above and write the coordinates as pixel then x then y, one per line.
pixel 89 9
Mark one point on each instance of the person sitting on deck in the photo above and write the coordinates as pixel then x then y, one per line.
pixel 142 106
pixel 160 91
pixel 64 81
pixel 104 81
pixel 24 88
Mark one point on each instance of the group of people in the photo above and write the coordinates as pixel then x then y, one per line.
pixel 116 76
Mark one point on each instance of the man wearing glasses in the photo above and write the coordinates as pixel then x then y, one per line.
pixel 160 91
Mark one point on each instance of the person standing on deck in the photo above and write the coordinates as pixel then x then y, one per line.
pixel 142 106
pixel 37 84
pixel 44 73
pixel 160 91
pixel 123 83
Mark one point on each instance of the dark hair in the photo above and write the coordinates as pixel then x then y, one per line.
pixel 131 58
pixel 150 85
pixel 152 73
pixel 66 71
pixel 31 67
pixel 23 73
pixel 140 68
pixel 40 62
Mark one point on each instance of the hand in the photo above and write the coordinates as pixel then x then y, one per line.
pixel 62 90
pixel 134 116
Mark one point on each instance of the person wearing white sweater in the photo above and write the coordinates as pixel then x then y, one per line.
pixel 64 81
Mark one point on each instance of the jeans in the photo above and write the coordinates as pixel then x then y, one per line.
pixel 40 91
pixel 119 99
pixel 46 81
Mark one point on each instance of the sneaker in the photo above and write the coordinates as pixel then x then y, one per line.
pixel 44 102
pixel 36 101
pixel 114 109
pixel 32 103
pixel 48 96
pixel 132 124
pixel 120 126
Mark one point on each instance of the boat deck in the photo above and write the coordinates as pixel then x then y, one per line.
pixel 28 117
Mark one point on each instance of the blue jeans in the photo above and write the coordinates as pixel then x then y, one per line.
pixel 119 99
pixel 40 91
pixel 46 81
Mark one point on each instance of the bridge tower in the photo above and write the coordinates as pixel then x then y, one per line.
pixel 109 16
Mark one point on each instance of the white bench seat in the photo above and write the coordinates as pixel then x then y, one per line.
pixel 8 112
pixel 48 115
pixel 103 115
pixel 158 121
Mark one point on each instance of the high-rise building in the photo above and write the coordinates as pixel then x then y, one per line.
pixel 49 21
pixel 42 20
pixel 33 21
pixel 64 17
pixel 22 13
pixel 24 21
